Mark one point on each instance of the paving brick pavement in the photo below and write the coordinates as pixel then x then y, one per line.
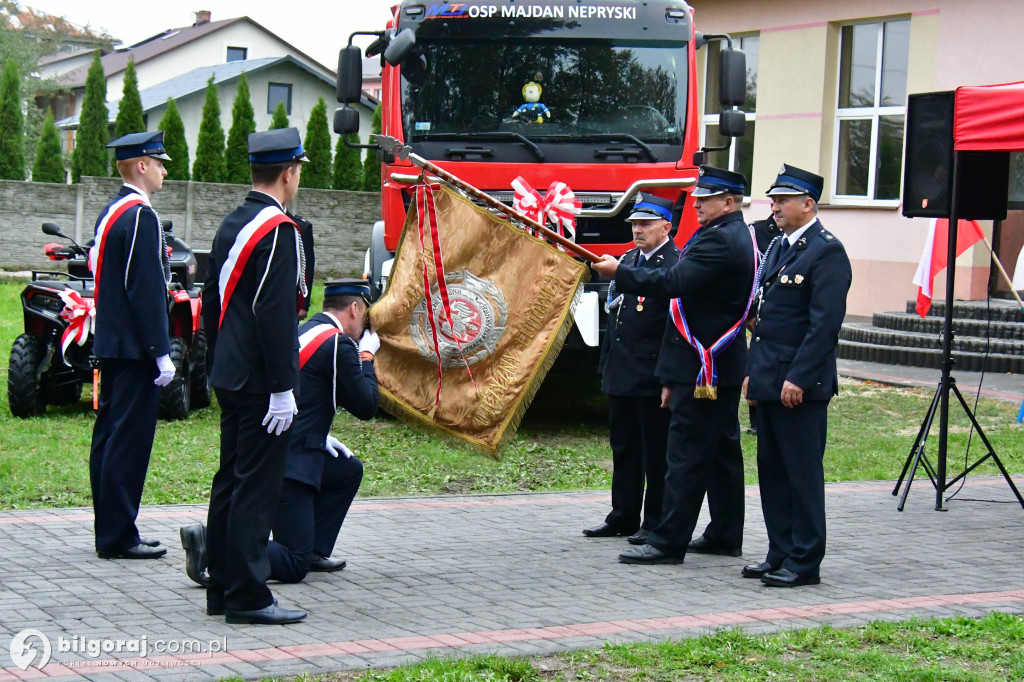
pixel 506 574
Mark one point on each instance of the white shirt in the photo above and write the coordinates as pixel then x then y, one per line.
pixel 792 238
pixel 648 254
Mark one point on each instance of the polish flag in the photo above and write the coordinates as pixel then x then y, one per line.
pixel 933 259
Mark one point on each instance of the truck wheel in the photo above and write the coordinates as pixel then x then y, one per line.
pixel 174 397
pixel 24 390
pixel 201 390
pixel 377 254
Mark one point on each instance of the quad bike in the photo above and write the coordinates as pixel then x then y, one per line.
pixel 53 358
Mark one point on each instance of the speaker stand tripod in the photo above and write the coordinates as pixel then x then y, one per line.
pixel 917 456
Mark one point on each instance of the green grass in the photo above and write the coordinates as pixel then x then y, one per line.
pixel 949 649
pixel 561 445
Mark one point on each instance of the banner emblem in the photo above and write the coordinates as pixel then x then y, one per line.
pixel 479 312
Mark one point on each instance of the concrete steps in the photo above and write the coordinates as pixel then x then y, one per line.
pixel 987 336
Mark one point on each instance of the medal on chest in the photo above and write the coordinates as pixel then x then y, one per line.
pixel 639 304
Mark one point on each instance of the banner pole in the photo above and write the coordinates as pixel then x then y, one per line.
pixel 1002 271
pixel 392 146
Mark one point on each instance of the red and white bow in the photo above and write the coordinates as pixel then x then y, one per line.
pixel 81 316
pixel 558 206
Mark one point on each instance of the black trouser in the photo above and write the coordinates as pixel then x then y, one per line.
pixel 704 456
pixel 791 475
pixel 122 440
pixel 243 501
pixel 638 434
pixel 308 522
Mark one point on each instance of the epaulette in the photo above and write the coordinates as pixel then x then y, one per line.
pixel 827 236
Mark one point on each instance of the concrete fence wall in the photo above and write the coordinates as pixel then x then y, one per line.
pixel 341 220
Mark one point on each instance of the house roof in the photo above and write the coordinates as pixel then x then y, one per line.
pixel 140 52
pixel 195 81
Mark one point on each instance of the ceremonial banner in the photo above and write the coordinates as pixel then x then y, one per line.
pixel 498 323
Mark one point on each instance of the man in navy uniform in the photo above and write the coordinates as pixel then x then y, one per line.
pixel 250 306
pixel 792 377
pixel 132 344
pixel 321 475
pixel 638 424
pixel 701 369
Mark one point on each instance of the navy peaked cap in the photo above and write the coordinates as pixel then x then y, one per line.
pixel 650 207
pixel 140 144
pixel 276 146
pixel 719 181
pixel 352 286
pixel 793 180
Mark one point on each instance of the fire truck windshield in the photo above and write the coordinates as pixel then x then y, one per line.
pixel 541 95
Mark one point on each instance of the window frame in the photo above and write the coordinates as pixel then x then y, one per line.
pixel 712 119
pixel 873 113
pixel 228 48
pixel 287 105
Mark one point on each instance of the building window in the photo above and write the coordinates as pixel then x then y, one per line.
pixel 279 92
pixel 237 54
pixel 740 155
pixel 871 110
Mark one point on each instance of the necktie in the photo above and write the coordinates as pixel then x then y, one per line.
pixel 641 260
pixel 783 248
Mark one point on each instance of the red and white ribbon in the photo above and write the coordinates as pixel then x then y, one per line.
pixel 81 316
pixel 559 206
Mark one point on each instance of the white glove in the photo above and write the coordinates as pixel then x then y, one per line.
pixel 335 446
pixel 370 342
pixel 166 367
pixel 282 409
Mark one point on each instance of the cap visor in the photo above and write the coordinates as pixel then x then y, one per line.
pixel 706 192
pixel 161 155
pixel 302 158
pixel 784 191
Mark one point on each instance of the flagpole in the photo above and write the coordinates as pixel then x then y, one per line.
pixel 393 146
pixel 1002 271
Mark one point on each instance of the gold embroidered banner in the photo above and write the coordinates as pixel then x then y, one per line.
pixel 511 298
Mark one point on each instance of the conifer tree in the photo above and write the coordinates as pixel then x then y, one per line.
pixel 280 118
pixel 175 143
pixel 129 109
pixel 12 124
pixel 90 156
pixel 243 122
pixel 348 165
pixel 209 164
pixel 371 166
pixel 49 163
pixel 317 173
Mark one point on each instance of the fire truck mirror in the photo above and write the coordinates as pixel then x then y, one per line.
pixel 401 47
pixel 732 84
pixel 350 75
pixel 732 123
pixel 346 121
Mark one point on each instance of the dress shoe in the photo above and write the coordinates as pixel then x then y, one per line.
pixel 787 578
pixel 756 570
pixel 326 564
pixel 605 531
pixel 149 543
pixel 647 554
pixel 270 615
pixel 139 551
pixel 639 537
pixel 704 546
pixel 193 541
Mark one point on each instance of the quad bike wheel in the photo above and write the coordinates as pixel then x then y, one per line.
pixel 174 397
pixel 24 376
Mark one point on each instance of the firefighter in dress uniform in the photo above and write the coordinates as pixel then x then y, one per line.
pixel 701 369
pixel 321 475
pixel 638 423
pixel 128 262
pixel 792 377
pixel 250 306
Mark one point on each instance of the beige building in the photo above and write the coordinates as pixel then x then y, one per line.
pixel 827 91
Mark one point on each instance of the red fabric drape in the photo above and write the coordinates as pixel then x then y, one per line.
pixel 989 118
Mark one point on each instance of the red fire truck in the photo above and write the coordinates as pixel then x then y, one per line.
pixel 598 94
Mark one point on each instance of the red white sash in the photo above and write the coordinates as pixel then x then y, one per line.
pixel 115 211
pixel 245 241
pixel 310 341
pixel 81 316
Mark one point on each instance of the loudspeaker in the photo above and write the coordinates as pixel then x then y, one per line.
pixel 983 177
